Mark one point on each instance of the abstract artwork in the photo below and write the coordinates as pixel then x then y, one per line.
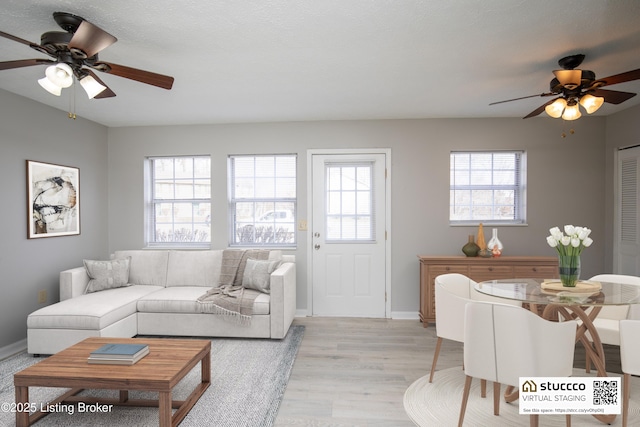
pixel 53 199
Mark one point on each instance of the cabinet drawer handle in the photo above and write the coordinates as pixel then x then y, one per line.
pixel 535 269
pixel 490 268
pixel 448 268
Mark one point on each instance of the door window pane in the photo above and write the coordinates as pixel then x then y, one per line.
pixel 349 199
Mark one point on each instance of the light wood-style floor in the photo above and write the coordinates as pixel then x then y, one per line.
pixel 354 372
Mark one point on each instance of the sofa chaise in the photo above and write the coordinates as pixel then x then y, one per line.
pixel 160 297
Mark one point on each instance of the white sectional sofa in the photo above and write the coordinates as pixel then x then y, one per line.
pixel 160 298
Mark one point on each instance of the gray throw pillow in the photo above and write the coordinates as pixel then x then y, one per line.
pixel 257 274
pixel 107 274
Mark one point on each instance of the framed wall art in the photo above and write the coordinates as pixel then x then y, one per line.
pixel 53 199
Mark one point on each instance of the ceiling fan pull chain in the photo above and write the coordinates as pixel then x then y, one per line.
pixel 72 102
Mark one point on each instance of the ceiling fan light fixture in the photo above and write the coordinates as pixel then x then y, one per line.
pixel 60 74
pixel 50 87
pixel 591 103
pixel 572 112
pixel 91 86
pixel 556 108
pixel 570 79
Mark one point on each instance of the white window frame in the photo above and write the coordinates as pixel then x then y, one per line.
pixel 467 185
pixel 289 224
pixel 151 203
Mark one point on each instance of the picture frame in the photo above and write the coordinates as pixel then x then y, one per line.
pixel 53 200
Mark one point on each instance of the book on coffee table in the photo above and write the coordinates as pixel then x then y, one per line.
pixel 119 354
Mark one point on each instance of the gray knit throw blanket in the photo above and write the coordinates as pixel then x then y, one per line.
pixel 230 298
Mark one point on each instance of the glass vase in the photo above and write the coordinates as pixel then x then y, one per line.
pixel 495 245
pixel 569 269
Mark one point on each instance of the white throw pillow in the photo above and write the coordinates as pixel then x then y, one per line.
pixel 107 274
pixel 257 274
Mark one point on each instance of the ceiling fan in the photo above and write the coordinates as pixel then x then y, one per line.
pixel 75 53
pixel 573 87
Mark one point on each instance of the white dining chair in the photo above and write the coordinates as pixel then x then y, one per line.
pixel 452 294
pixel 607 323
pixel 503 343
pixel 630 361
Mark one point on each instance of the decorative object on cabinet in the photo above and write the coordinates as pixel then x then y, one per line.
pixel 471 248
pixel 495 245
pixel 482 243
pixel 485 253
pixel 478 269
pixel 569 246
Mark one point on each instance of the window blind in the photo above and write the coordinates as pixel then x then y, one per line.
pixel 487 187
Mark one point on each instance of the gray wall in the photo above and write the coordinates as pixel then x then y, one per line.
pixel 570 181
pixel 32 131
pixel 566 181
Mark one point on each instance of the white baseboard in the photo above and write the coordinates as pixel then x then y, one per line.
pixel 11 349
pixel 405 315
pixel 402 315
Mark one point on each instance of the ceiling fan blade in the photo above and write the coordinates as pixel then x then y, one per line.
pixel 107 93
pixel 621 78
pixel 7 65
pixel 613 96
pixel 159 80
pixel 91 39
pixel 540 109
pixel 523 97
pixel 16 39
pixel 23 41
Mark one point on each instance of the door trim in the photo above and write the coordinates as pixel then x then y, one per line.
pixel 387 225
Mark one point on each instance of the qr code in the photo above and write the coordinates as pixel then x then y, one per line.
pixel 605 392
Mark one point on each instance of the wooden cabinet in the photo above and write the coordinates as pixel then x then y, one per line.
pixel 478 269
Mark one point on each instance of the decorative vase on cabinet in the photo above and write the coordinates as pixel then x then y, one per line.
pixel 495 245
pixel 471 248
pixel 482 243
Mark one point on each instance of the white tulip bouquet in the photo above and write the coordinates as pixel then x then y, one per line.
pixel 571 242
pixel 569 247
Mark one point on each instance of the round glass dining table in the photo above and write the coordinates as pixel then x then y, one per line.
pixel 554 302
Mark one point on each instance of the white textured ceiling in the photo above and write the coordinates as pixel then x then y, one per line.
pixel 291 60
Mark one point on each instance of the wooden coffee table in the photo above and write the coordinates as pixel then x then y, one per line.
pixel 168 361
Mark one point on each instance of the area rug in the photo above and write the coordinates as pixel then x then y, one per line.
pixel 438 404
pixel 248 380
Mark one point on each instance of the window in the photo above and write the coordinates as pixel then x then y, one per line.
pixel 262 200
pixel 349 202
pixel 487 187
pixel 179 201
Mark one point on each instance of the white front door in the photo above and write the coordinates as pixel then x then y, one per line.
pixel 348 236
pixel 627 233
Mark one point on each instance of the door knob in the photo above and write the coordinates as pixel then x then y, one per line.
pixel 316 234
pixel 316 247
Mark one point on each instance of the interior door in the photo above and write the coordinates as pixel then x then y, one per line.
pixel 627 245
pixel 348 235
